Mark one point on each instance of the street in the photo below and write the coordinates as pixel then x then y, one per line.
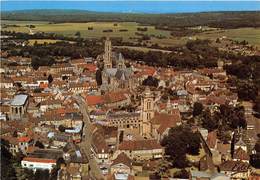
pixel 95 172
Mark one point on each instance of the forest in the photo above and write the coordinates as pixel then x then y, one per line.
pixel 160 21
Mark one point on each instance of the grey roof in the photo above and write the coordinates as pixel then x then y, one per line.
pixel 202 174
pixel 110 71
pixel 19 100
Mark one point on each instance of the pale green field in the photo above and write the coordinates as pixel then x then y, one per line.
pixel 252 35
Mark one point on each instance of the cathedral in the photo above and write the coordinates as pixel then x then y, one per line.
pixel 115 74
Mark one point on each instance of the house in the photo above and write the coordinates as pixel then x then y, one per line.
pixel 241 155
pixel 100 147
pixel 12 144
pixel 35 163
pixel 141 149
pixel 42 159
pixel 203 175
pixel 6 82
pixel 50 104
pixel 235 169
pixel 24 143
pixel 18 106
pixel 122 164
pixel 77 163
pixel 162 122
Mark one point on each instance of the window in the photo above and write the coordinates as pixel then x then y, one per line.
pixel 148 116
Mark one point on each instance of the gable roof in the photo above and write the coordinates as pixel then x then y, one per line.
pixel 165 121
pixel 240 154
pixel 124 159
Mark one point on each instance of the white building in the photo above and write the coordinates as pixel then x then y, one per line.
pixel 38 163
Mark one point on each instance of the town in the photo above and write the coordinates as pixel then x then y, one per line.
pixel 126 120
pixel 130 90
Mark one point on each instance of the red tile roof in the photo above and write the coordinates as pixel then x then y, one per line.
pixel 166 121
pixel 40 160
pixel 212 139
pixel 24 139
pixel 94 100
pixel 139 145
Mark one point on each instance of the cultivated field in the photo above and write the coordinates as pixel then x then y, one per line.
pixel 252 35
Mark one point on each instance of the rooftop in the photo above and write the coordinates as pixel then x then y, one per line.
pixel 19 100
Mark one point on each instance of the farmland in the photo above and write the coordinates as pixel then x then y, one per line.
pixel 128 30
pixel 69 29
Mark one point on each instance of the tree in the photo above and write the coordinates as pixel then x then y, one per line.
pixel 151 81
pixel 257 107
pixel 209 122
pixel 257 147
pixel 37 90
pixel 182 174
pixel 39 145
pixel 179 142
pixel 247 91
pixel 62 128
pixel 7 169
pixel 42 174
pixel 99 77
pixel 50 78
pixel 78 34
pixel 197 108
pixel 254 160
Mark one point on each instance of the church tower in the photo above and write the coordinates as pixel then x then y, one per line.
pixel 147 113
pixel 108 54
pixel 121 62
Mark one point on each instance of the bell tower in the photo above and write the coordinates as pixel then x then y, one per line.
pixel 108 54
pixel 147 113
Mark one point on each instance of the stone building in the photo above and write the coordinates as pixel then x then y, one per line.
pixel 147 113
pixel 18 106
pixel 114 76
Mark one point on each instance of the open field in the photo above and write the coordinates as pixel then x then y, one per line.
pixel 69 29
pixel 42 41
pixel 144 49
pixel 252 35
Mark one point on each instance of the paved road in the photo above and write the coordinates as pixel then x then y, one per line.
pixel 95 172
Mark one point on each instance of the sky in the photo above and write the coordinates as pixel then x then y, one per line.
pixel 131 6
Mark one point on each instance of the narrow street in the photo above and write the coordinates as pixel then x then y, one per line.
pixel 95 172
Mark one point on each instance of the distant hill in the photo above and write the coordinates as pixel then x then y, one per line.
pixel 214 19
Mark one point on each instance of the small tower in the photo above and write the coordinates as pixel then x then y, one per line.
pixel 121 62
pixel 169 106
pixel 147 113
pixel 108 54
pixel 220 64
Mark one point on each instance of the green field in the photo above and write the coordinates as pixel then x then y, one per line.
pixel 69 29
pixel 252 35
